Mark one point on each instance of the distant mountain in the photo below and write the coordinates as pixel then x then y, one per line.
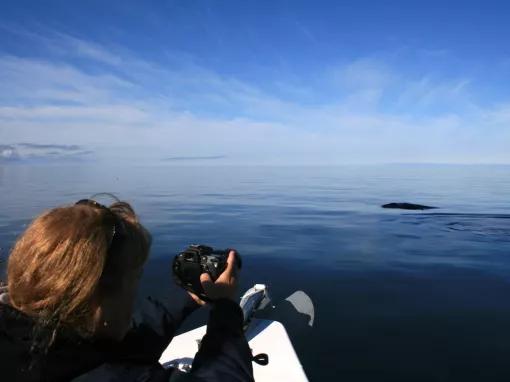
pixel 8 153
pixel 42 153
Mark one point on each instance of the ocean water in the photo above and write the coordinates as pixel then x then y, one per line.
pixel 399 295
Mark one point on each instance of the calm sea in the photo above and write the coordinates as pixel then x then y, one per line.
pixel 399 295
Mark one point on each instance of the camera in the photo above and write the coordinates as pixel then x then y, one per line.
pixel 195 260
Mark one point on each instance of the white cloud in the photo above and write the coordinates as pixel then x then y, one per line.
pixel 134 108
pixel 425 94
pixel 118 114
pixel 87 49
pixel 28 81
pixel 362 74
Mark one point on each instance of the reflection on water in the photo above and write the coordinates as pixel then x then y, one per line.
pixel 399 295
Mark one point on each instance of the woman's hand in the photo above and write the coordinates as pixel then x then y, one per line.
pixel 225 285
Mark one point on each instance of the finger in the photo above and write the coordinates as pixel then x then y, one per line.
pixel 205 278
pixel 207 282
pixel 197 299
pixel 230 269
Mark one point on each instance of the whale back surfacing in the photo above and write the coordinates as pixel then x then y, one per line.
pixel 407 206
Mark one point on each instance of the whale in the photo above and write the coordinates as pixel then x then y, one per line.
pixel 407 206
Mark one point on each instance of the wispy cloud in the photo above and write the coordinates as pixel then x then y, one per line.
pixel 60 44
pixel 363 111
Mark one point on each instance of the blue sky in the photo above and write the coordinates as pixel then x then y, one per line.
pixel 259 82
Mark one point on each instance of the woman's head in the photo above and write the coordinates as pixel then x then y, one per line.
pixel 79 266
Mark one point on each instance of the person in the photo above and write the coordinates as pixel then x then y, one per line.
pixel 67 311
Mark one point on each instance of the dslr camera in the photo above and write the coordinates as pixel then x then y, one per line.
pixel 195 260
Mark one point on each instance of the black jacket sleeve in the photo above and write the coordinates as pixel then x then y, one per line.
pixel 154 326
pixel 224 354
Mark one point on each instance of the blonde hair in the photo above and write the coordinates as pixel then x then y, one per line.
pixel 70 257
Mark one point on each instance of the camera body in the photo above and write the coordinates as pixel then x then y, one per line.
pixel 195 260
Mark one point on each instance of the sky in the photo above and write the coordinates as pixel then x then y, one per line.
pixel 255 82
